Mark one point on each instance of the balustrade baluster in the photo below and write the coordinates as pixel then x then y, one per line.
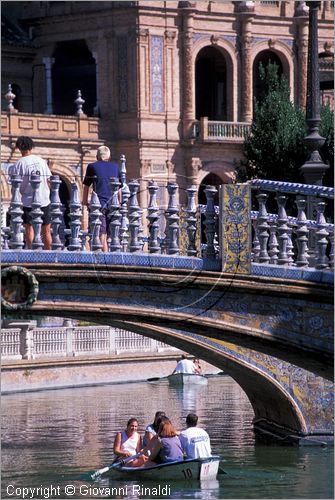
pixel 95 223
pixel 282 220
pixel 331 252
pixel 210 221
pixel 134 216
pixel 191 221
pixel 263 228
pixel 125 193
pixel 55 212
pixel 75 218
pixel 153 218
pixel 302 234
pixel 173 219
pixel 256 248
pixel 36 212
pixel 114 216
pixel 290 246
pixel 321 237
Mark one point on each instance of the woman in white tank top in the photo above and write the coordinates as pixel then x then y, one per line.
pixel 128 442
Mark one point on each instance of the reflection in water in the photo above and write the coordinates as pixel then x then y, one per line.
pixel 52 437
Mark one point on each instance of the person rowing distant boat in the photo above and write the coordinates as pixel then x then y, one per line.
pixel 184 365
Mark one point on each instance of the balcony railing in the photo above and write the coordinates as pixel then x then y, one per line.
pixel 49 126
pixel 39 343
pixel 206 130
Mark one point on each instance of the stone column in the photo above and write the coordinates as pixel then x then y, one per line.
pixel 48 62
pixel 96 109
pixel 188 72
pixel 301 18
pixel 245 15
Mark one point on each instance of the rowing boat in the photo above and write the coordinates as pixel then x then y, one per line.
pixel 187 378
pixel 192 468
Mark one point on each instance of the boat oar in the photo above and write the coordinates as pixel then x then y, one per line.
pixel 95 475
pixel 155 379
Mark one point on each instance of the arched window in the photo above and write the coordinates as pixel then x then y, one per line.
pixel 264 58
pixel 210 180
pixel 211 84
pixel 326 72
pixel 74 69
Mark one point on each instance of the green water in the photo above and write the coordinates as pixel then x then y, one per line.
pixel 50 438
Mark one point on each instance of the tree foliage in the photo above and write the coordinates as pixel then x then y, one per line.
pixel 274 148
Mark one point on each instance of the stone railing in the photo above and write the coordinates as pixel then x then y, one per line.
pixel 206 130
pixel 302 240
pixel 293 225
pixel 39 343
pixel 46 126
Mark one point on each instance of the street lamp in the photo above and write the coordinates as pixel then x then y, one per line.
pixel 314 168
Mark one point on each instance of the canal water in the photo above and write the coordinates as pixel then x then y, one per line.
pixel 50 439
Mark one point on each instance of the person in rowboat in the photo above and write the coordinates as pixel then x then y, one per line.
pixel 128 443
pixel 194 440
pixel 184 365
pixel 166 445
pixel 197 366
pixel 152 429
pixel 148 449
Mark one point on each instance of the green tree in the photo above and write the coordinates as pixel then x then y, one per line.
pixel 274 148
pixel 327 150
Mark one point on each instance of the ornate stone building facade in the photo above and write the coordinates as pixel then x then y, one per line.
pixel 169 84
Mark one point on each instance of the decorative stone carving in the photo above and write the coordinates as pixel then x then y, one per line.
pixel 153 218
pixel 143 34
pixel 271 43
pixel 170 36
pixel 36 212
pixel 214 39
pixel 115 216
pixel 55 212
pixel 10 96
pixel 95 223
pixel 15 211
pixel 75 219
pixel 79 101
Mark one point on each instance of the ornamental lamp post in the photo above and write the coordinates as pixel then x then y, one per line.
pixel 314 168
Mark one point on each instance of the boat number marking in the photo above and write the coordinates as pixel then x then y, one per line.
pixel 187 473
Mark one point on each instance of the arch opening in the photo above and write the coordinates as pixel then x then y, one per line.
pixel 74 69
pixel 264 57
pixel 211 85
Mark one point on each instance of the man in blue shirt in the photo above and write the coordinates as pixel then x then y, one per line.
pixel 98 175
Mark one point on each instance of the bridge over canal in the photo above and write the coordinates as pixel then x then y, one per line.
pixel 256 300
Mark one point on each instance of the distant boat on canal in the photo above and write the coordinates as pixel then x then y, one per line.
pixel 180 379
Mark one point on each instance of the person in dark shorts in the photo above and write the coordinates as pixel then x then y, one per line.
pixel 26 166
pixel 98 175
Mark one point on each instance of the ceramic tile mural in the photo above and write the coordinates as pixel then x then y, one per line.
pixel 122 73
pixel 235 234
pixel 156 62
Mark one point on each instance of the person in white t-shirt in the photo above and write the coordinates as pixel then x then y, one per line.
pixel 25 167
pixel 184 365
pixel 194 440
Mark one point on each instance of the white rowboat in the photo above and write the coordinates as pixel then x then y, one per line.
pixel 187 379
pixel 192 468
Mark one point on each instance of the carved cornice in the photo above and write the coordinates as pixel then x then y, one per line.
pixel 142 34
